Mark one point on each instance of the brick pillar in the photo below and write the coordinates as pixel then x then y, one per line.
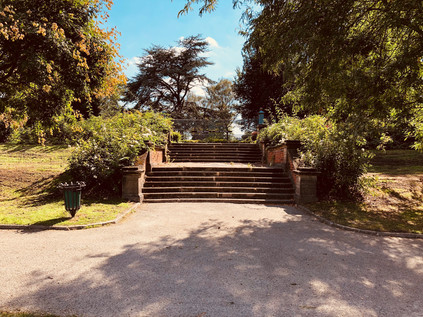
pixel 132 183
pixel 305 185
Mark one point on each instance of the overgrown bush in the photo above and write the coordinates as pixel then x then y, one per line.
pixel 335 150
pixel 108 144
pixel 176 137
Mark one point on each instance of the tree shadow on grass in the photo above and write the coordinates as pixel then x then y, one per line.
pixel 12 148
pixel 43 191
pixel 258 268
pixel 50 222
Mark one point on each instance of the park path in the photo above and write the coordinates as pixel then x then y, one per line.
pixel 192 259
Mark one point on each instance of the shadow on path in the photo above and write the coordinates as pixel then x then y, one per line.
pixel 258 268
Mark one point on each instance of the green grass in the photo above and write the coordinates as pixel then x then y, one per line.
pixel 397 162
pixel 392 199
pixel 28 196
pixel 361 216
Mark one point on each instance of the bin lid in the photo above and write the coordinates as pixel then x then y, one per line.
pixel 72 185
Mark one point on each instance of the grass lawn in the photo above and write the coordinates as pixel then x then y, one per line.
pixel 28 195
pixel 392 200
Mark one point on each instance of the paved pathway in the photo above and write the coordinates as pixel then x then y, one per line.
pixel 211 260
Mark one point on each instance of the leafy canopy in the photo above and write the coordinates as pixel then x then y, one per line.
pixel 166 75
pixel 348 59
pixel 54 54
pixel 257 89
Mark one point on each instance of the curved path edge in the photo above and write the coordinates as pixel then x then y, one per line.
pixel 364 231
pixel 74 227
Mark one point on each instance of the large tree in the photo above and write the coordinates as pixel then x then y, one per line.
pixel 220 105
pixel 258 89
pixel 54 55
pixel 352 60
pixel 166 75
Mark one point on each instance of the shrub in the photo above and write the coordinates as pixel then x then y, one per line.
pixel 335 150
pixel 175 137
pixel 107 145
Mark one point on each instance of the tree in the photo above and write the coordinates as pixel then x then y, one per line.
pixel 54 55
pixel 166 75
pixel 352 60
pixel 257 89
pixel 220 105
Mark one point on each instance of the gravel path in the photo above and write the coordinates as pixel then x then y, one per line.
pixel 211 260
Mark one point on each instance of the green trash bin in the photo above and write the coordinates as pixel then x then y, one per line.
pixel 72 193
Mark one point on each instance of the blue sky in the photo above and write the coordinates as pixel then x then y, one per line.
pixel 143 23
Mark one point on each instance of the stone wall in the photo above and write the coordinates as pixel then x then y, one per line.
pixel 303 179
pixel 134 176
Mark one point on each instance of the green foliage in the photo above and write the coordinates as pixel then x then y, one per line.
pixel 354 61
pixel 209 116
pixel 333 149
pixel 257 89
pixel 175 137
pixel 53 54
pixel 350 60
pixel 214 140
pixel 220 105
pixel 109 144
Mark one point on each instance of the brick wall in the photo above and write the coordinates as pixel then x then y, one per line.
pixel 303 179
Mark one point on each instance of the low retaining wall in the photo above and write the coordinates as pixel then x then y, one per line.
pixel 134 176
pixel 304 179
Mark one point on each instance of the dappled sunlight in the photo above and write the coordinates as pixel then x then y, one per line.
pixel 231 266
pixel 336 307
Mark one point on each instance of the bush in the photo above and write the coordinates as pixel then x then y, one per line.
pixel 335 150
pixel 175 137
pixel 107 145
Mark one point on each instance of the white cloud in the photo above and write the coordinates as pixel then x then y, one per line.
pixel 198 87
pixel 134 61
pixel 178 50
pixel 198 91
pixel 229 75
pixel 212 42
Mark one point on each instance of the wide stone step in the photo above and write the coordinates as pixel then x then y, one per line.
pixel 181 189
pixel 214 148
pixel 217 194
pixel 215 153
pixel 262 196
pixel 285 184
pixel 213 145
pixel 216 160
pixel 223 200
pixel 270 178
pixel 215 173
pixel 218 168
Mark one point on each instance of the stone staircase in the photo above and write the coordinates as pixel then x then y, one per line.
pixel 218 184
pixel 239 183
pixel 214 152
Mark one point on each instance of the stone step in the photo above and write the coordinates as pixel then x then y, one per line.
pixel 270 178
pixel 182 189
pixel 237 195
pixel 222 200
pixel 215 173
pixel 223 153
pixel 198 144
pixel 218 168
pixel 215 154
pixel 215 160
pixel 160 183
